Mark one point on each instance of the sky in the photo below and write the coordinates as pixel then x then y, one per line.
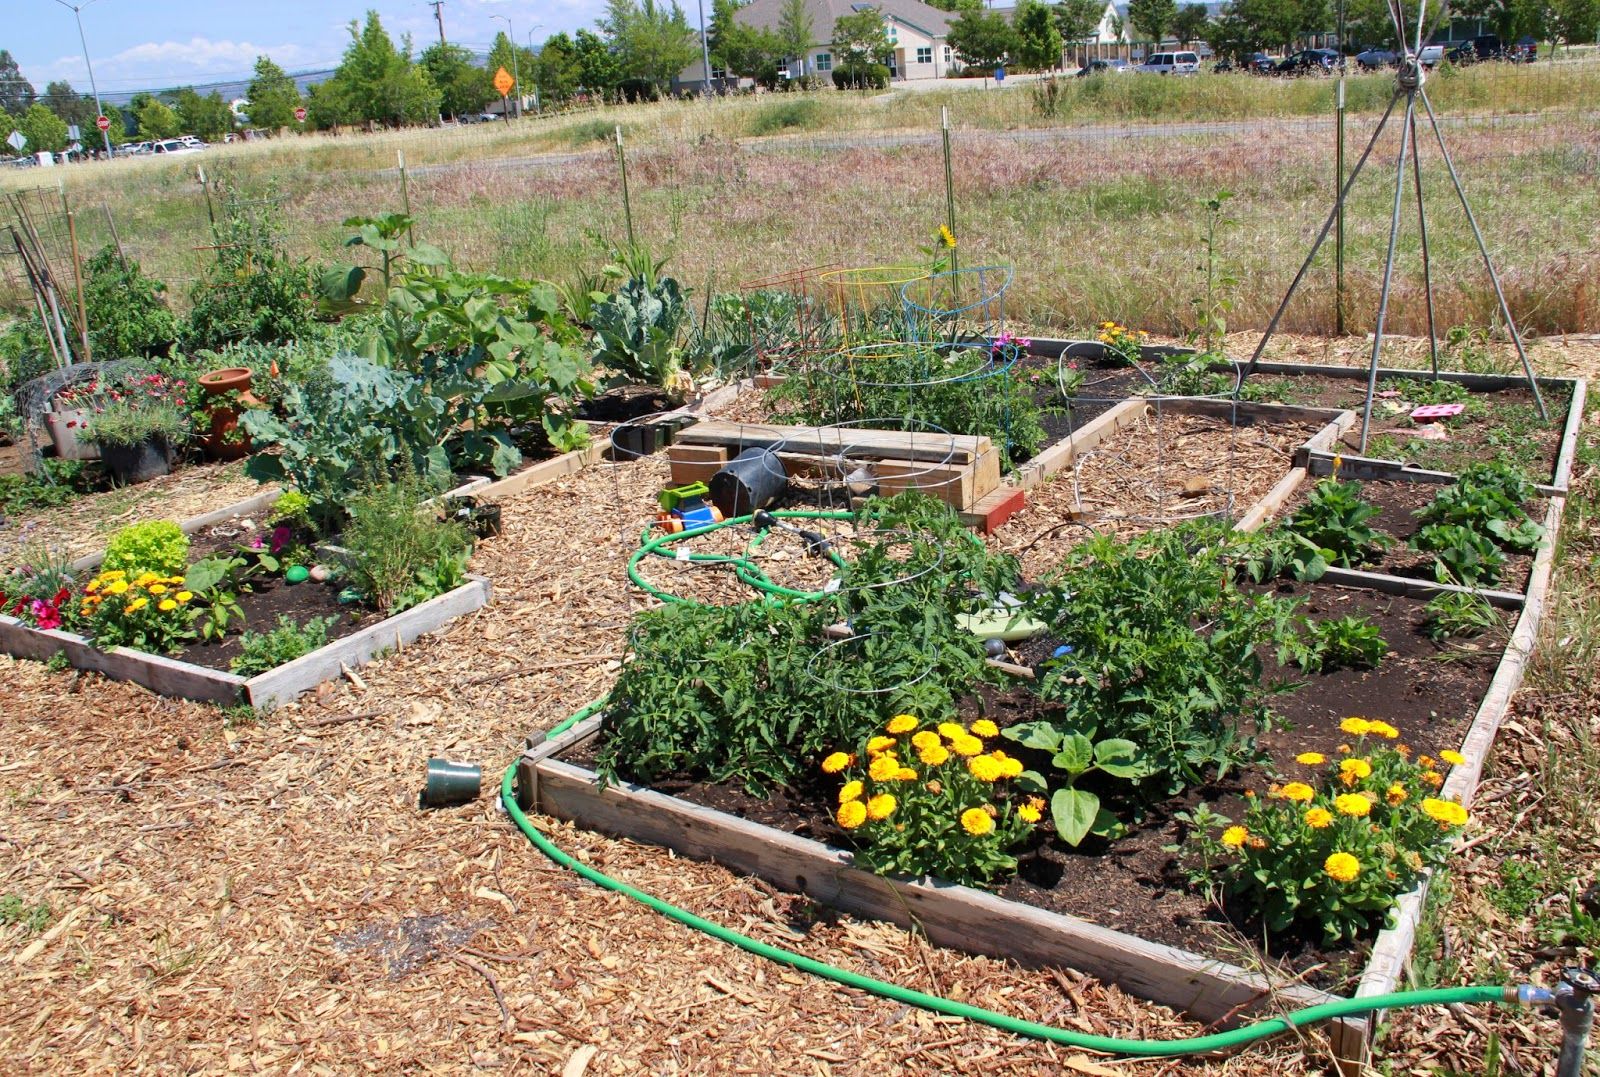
pixel 140 44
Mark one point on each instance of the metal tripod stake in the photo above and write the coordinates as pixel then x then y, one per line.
pixel 1409 84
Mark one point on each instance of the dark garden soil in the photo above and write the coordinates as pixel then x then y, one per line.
pixel 1104 387
pixel 1397 503
pixel 1507 426
pixel 1136 884
pixel 273 598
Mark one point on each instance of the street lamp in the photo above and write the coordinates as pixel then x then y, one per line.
pixel 511 38
pixel 536 105
pixel 77 12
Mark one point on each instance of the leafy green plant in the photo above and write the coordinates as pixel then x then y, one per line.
pixel 1165 649
pixel 261 651
pixel 127 313
pixel 1457 615
pixel 33 918
pixel 1333 524
pixel 1488 499
pixel 398 552
pixel 639 333
pixel 1122 345
pixel 131 423
pixel 1076 812
pixel 21 493
pixel 1335 643
pixel 1331 854
pixel 158 546
pixel 254 290
pixel 216 582
pixel 1461 555
pixel 1434 391
pixel 1212 309
pixel 923 801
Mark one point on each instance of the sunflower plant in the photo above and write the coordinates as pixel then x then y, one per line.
pixel 933 800
pixel 1332 850
pixel 147 612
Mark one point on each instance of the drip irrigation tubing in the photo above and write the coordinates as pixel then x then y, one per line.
pixel 1216 1041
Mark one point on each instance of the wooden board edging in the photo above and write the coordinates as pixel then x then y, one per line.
pixel 254 503
pixel 1054 458
pixel 1569 440
pixel 1205 988
pixel 544 471
pixel 162 675
pixel 1416 588
pixel 1284 488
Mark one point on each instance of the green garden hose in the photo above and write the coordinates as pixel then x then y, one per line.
pixel 1108 1044
pixel 747 570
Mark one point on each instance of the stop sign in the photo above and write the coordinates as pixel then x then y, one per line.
pixel 300 115
pixel 103 122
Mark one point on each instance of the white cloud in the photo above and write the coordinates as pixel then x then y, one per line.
pixel 170 63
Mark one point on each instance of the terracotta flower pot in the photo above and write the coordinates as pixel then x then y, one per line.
pixel 220 441
pixel 64 428
pixel 226 380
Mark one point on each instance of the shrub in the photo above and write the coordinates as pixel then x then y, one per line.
pixel 158 546
pixel 261 651
pixel 397 553
pixel 802 113
pixel 1332 854
pixel 128 315
pixel 861 77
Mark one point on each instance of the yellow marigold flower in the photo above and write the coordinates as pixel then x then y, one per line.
pixel 119 587
pixel 951 731
pixel 1318 818
pixel 1029 813
pixel 1383 729
pixel 985 768
pixel 934 754
pixel 967 745
pixel 1433 778
pixel 851 814
pixel 851 790
pixel 881 744
pixel 1403 751
pixel 86 611
pixel 901 723
pixel 1297 791
pixel 976 821
pixel 1357 767
pixel 1445 811
pixel 1310 759
pixel 113 574
pixel 167 605
pixel 1356 727
pixel 145 579
pixel 1455 759
pixel 835 762
pixel 1425 762
pixel 1352 804
pixel 1342 867
pixel 92 587
pixel 884 768
pixel 926 738
pixel 157 588
pixel 905 774
pixel 1396 795
pixel 880 806
pixel 1235 836
pixel 947 236
pixel 136 605
pixel 985 728
pixel 1010 767
pixel 184 596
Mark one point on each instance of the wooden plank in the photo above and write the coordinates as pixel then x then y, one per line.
pixel 545 471
pixel 1058 456
pixel 158 673
pixel 1415 588
pixel 272 689
pixel 1366 468
pixel 695 463
pixel 1248 409
pixel 1392 948
pixel 859 443
pixel 1207 989
pixel 253 503
pixel 1481 382
pixel 994 509
pixel 1285 487
pixel 1569 440
pixel 956 486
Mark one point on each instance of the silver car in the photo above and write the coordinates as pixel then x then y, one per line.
pixel 1171 63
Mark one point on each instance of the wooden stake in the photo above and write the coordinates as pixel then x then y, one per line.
pixel 77 276
pixel 111 224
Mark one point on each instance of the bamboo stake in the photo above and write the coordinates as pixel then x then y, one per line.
pixel 38 297
pixel 111 224
pixel 77 275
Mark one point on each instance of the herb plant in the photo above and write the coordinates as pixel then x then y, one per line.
pixel 261 651
pixel 1457 615
pixel 395 548
pixel 158 546
pixel 1335 643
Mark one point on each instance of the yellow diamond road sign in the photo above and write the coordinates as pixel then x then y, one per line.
pixel 503 81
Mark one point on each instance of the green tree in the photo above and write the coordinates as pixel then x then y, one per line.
pixel 557 71
pixel 750 52
pixel 1511 19
pixel 1190 24
pixel 16 92
pixel 1152 18
pixel 72 106
pixel 797 32
pixel 1077 20
pixel 1573 22
pixel 982 38
pixel 518 62
pixel 209 117
pixel 273 96
pixel 652 40
pixel 464 87
pixel 598 70
pixel 1038 40
pixel 156 120
pixel 44 130
pixel 860 37
pixel 375 82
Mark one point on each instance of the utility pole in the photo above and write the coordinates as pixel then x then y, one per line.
pixel 77 12
pixel 537 107
pixel 705 48
pixel 438 13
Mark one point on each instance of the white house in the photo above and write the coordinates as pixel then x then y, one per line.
pixel 917 32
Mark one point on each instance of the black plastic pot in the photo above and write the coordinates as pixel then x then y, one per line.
pixel 131 464
pixel 451 783
pixel 633 440
pixel 752 480
pixel 483 520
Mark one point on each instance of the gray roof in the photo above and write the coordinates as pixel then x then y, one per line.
pixel 767 14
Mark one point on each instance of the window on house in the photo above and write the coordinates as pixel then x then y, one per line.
pixel 947 54
pixel 925 55
pixel 893 31
pixel 718 72
pixel 824 61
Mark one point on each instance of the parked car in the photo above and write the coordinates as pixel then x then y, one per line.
pixel 1171 63
pixel 191 140
pixel 1257 63
pixel 1430 55
pixel 173 146
pixel 1370 59
pixel 1525 51
pixel 1308 62
pixel 1094 67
